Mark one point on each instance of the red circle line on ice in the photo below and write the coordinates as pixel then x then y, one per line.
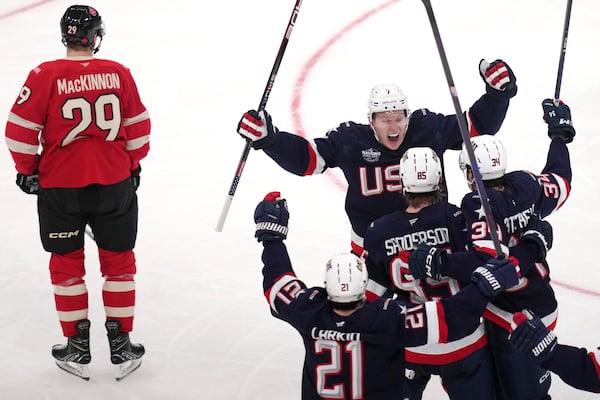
pixel 298 126
pixel 24 8
pixel 297 94
pixel 312 61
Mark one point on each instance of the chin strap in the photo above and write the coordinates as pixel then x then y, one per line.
pixel 97 48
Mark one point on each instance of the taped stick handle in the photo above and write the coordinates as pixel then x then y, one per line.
pixel 231 193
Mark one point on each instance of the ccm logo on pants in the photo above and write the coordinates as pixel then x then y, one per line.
pixel 63 235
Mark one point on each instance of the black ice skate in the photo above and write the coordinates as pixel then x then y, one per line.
pixel 75 356
pixel 125 356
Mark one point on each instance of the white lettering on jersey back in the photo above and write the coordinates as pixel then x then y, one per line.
pixel 328 334
pixel 432 237
pixel 518 220
pixel 89 82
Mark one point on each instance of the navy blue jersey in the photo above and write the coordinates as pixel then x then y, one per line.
pixel 372 171
pixel 523 193
pixel 441 225
pixel 576 366
pixel 360 355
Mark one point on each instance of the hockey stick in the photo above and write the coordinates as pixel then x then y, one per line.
pixel 563 50
pixel 261 106
pixel 88 231
pixel 464 131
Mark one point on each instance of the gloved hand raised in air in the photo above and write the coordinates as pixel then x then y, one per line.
pixel 496 276
pixel 28 183
pixel 558 117
pixel 500 81
pixel 532 337
pixel 426 262
pixel 257 127
pixel 539 233
pixel 271 217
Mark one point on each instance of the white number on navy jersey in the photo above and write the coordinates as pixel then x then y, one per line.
pixel 336 351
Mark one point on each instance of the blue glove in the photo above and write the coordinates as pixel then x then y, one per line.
pixel 496 276
pixel 257 127
pixel 29 184
pixel 426 262
pixel 532 337
pixel 539 233
pixel 558 118
pixel 271 217
pixel 500 81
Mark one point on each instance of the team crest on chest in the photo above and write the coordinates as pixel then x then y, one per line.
pixel 371 155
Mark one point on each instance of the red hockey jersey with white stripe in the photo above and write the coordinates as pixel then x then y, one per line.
pixel 78 121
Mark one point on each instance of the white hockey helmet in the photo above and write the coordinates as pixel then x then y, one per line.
pixel 420 170
pixel 387 97
pixel 490 156
pixel 346 278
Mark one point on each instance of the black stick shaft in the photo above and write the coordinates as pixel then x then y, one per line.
pixel 261 106
pixel 464 131
pixel 563 50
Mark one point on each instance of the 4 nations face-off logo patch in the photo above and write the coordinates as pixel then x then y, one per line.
pixel 371 155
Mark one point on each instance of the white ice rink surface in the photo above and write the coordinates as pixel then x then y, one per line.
pixel 199 65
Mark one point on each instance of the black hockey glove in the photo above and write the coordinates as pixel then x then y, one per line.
pixel 135 177
pixel 500 81
pixel 425 262
pixel 257 126
pixel 540 234
pixel 532 337
pixel 271 217
pixel 496 276
pixel 558 117
pixel 28 183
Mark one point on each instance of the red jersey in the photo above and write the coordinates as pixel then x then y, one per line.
pixel 87 116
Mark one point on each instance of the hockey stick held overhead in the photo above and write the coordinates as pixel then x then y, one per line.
pixel 261 106
pixel 563 50
pixel 464 131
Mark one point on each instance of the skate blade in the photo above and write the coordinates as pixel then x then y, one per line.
pixel 126 368
pixel 80 370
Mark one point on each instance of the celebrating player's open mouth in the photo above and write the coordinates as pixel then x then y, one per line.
pixel 394 137
pixel 390 127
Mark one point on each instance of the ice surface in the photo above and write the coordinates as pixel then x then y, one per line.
pixel 199 65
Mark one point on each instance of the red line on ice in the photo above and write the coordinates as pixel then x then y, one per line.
pixel 297 91
pixel 297 102
pixel 24 8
